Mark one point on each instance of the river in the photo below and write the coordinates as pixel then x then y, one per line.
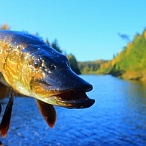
pixel 118 117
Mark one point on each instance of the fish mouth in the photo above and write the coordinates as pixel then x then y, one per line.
pixel 74 99
pixel 64 88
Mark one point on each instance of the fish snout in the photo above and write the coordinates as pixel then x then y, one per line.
pixel 71 90
pixel 67 80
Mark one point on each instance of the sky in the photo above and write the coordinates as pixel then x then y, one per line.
pixel 89 29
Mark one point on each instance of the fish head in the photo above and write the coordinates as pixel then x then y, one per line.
pixel 32 68
pixel 55 83
pixel 35 69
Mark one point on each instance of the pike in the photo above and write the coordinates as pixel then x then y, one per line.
pixel 30 67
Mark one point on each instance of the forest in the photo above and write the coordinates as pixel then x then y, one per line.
pixel 90 67
pixel 130 63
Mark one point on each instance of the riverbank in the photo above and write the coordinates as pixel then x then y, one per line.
pixel 139 75
pixel 134 75
pixel 129 64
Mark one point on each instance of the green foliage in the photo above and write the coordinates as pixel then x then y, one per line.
pixel 104 68
pixel 134 55
pixel 131 59
pixel 47 41
pixel 56 46
pixel 90 67
pixel 73 63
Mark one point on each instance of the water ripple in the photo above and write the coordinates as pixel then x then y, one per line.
pixel 117 118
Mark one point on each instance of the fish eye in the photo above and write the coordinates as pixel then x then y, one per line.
pixel 37 63
pixel 51 67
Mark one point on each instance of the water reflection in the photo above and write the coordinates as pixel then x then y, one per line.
pixel 122 106
pixel 137 89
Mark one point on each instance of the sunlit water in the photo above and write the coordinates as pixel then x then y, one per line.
pixel 117 118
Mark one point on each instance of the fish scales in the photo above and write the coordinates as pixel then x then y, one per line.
pixel 30 67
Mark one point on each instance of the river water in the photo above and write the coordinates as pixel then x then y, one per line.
pixel 117 118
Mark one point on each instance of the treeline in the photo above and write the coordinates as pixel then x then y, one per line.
pixel 130 63
pixel 72 59
pixel 90 67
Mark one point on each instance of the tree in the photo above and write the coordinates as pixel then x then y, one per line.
pixel 47 41
pixel 73 63
pixel 56 46
pixel 5 27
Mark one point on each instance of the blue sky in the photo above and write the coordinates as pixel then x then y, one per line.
pixel 86 28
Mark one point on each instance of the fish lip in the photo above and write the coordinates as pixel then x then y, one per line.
pixel 81 103
pixel 74 99
pixel 69 98
pixel 47 86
